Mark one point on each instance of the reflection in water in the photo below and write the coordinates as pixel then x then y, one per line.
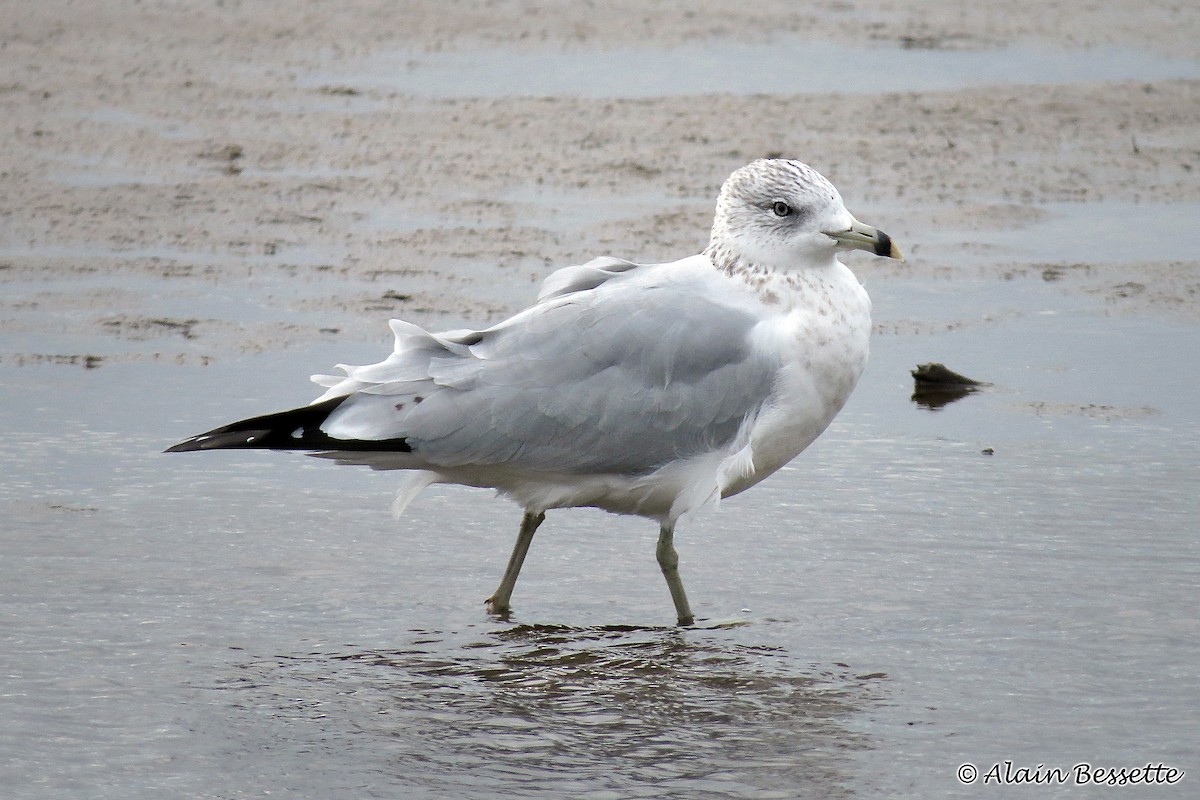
pixel 934 398
pixel 559 711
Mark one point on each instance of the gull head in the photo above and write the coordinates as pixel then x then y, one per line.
pixel 784 216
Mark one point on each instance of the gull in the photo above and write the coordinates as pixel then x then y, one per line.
pixel 644 389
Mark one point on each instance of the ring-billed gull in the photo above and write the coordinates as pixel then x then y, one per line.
pixel 646 389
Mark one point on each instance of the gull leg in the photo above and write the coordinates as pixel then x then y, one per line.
pixel 668 561
pixel 498 602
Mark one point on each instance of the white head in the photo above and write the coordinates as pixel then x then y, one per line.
pixel 782 215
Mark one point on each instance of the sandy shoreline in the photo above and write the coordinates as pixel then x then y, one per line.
pixel 190 146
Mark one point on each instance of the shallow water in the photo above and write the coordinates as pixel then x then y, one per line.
pixel 891 605
pixel 784 65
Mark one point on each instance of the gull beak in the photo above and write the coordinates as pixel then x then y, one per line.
pixel 860 236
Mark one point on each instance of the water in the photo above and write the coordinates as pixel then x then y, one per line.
pixel 784 65
pixel 893 604
pixel 558 711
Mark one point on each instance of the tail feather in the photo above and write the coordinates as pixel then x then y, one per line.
pixel 296 429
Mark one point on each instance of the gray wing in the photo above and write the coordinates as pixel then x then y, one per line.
pixel 602 375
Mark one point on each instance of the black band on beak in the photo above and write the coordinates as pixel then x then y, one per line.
pixel 884 246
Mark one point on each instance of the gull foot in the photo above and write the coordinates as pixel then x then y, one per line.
pixel 501 610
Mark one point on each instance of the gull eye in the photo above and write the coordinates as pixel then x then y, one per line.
pixel 781 209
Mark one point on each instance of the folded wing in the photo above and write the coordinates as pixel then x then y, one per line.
pixel 609 372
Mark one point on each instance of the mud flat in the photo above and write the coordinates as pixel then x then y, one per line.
pixel 179 163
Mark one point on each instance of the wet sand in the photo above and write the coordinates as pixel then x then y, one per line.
pixel 172 148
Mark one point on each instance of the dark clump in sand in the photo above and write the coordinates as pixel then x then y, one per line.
pixel 937 385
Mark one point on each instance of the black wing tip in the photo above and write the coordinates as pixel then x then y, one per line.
pixel 295 429
pixel 221 439
pixel 285 430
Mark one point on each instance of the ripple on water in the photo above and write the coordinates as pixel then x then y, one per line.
pixel 562 711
